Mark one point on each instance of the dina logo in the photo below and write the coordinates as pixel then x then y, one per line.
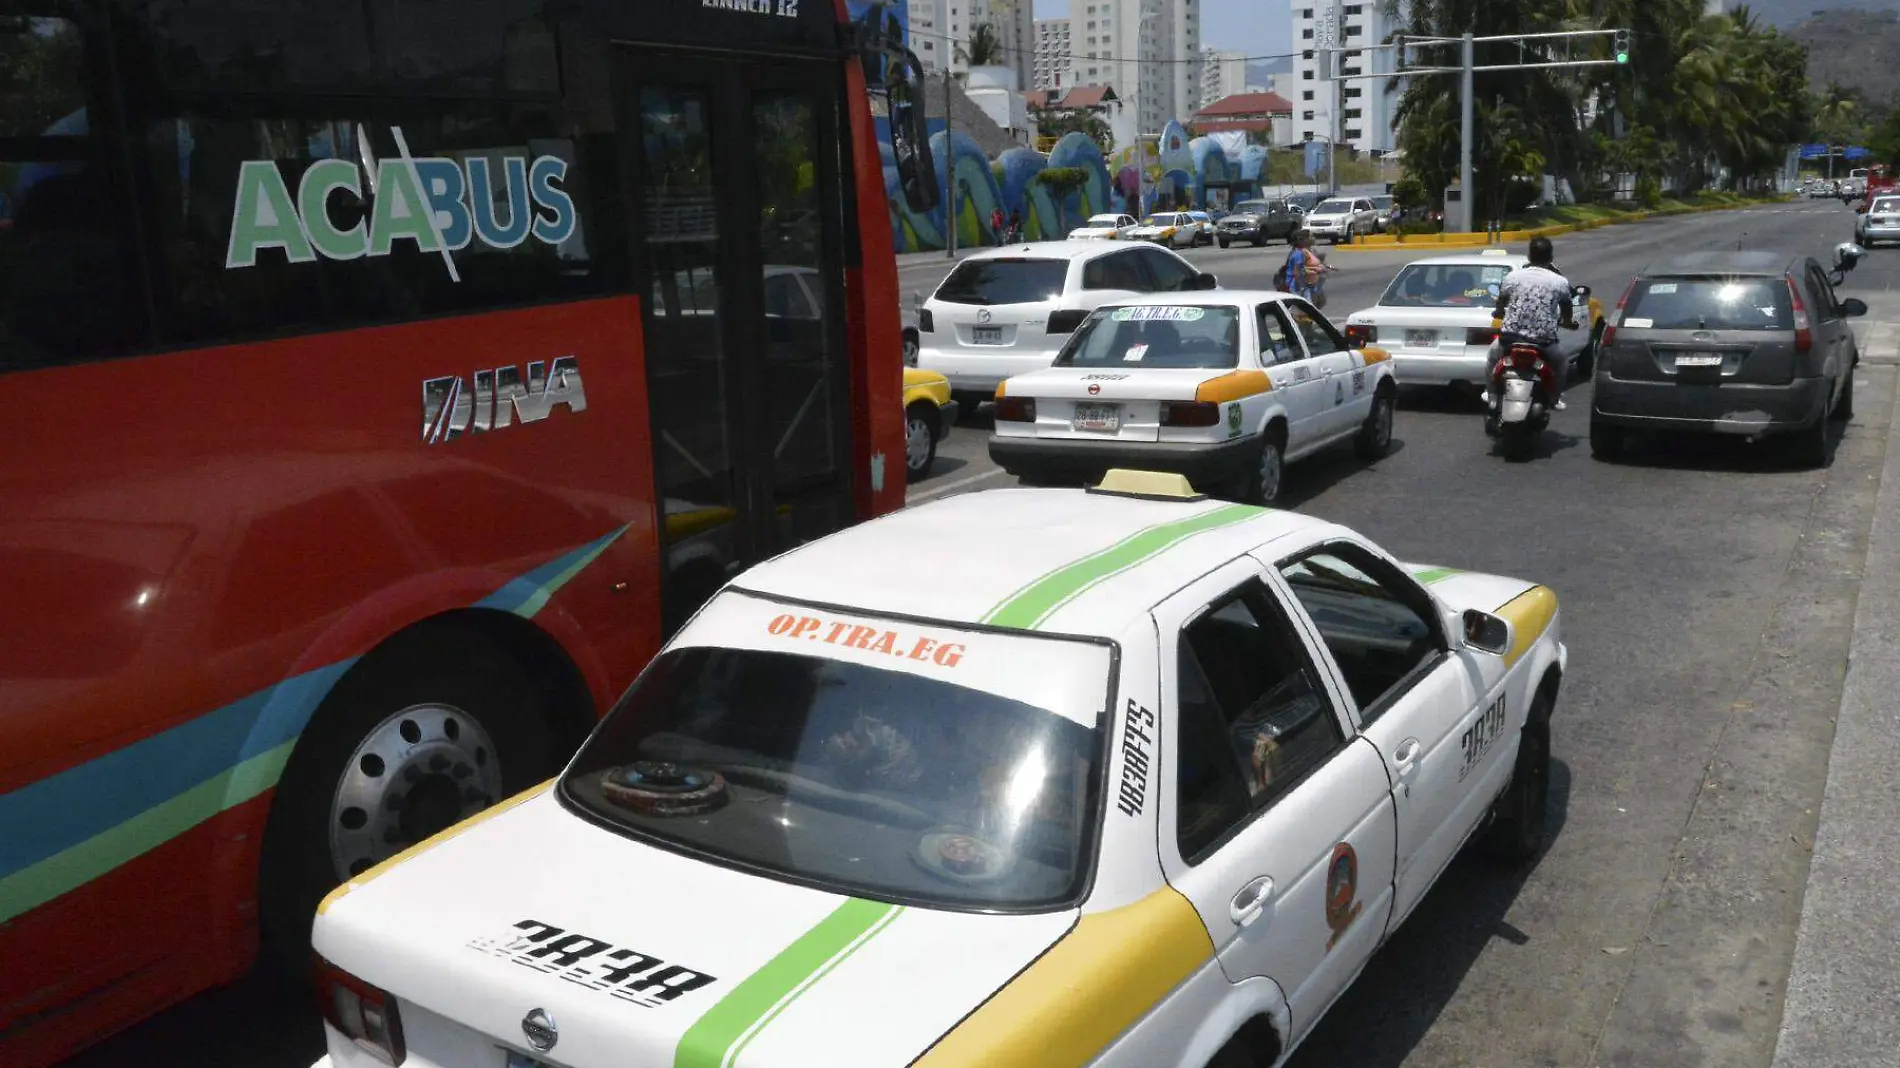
pixel 439 205
pixel 498 397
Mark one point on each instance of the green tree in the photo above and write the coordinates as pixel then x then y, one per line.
pixel 983 49
pixel 1055 122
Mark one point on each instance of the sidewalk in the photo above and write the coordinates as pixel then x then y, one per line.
pixel 1845 980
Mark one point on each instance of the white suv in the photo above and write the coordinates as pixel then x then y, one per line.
pixel 1005 311
pixel 1341 218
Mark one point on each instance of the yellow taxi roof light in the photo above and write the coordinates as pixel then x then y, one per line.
pixel 1165 485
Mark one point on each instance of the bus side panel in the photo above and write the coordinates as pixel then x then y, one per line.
pixel 877 360
pixel 199 544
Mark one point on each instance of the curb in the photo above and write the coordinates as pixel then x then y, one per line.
pixel 1387 243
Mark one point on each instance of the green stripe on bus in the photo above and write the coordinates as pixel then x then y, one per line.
pixel 73 867
pixel 1031 605
pixel 1435 574
pixel 715 1039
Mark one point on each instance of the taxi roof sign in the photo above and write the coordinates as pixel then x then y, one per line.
pixel 1495 252
pixel 1149 485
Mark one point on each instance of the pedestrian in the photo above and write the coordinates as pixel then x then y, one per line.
pixel 996 224
pixel 1301 273
pixel 1015 225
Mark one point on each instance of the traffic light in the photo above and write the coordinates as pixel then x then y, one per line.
pixel 1621 49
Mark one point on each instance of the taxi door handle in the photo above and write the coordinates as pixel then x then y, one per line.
pixel 1405 764
pixel 1251 901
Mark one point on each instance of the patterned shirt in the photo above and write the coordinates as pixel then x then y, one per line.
pixel 1538 297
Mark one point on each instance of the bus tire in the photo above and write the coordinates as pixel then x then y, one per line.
pixel 432 726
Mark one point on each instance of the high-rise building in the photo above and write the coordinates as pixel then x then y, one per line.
pixel 1222 75
pixel 1148 50
pixel 1054 68
pixel 1352 111
pixel 941 32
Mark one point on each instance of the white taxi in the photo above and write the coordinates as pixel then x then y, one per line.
pixel 1435 320
pixel 1225 388
pixel 1148 785
pixel 1104 228
pixel 1175 229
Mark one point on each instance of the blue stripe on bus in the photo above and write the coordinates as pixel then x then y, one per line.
pixel 56 813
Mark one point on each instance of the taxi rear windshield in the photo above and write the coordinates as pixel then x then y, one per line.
pixel 1445 285
pixel 858 779
pixel 1153 336
pixel 1886 205
pixel 1004 281
pixel 1709 304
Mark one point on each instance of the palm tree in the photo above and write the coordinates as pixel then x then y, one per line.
pixel 983 49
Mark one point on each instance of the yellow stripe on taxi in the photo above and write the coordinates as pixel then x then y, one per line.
pixel 1233 386
pixel 1109 971
pixel 1529 614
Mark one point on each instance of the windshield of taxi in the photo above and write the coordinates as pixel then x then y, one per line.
pixel 1884 205
pixel 1156 336
pixel 902 761
pixel 1110 221
pixel 1446 285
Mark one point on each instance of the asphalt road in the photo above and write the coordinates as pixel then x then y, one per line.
pixel 1708 592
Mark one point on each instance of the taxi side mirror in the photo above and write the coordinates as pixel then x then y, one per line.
pixel 1203 280
pixel 1486 632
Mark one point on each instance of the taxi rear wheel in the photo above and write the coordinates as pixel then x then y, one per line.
pixel 1375 434
pixel 920 440
pixel 1521 813
pixel 1261 484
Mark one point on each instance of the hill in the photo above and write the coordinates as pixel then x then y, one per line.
pixel 1785 14
pixel 1853 48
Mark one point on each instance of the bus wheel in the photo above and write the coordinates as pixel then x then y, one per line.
pixel 429 729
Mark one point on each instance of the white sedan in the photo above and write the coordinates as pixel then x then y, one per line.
pixel 1435 320
pixel 1176 229
pixel 1225 388
pixel 1104 228
pixel 1148 784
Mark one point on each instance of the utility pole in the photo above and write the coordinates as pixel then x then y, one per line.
pixel 949 170
pixel 1465 122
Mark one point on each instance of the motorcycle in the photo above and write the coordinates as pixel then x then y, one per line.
pixel 1522 385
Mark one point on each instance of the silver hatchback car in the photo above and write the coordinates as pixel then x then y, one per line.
pixel 1747 343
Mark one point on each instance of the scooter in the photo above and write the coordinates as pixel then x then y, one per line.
pixel 1521 388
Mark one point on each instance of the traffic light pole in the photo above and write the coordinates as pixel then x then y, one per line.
pixel 1466 68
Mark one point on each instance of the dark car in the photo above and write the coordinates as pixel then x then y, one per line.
pixel 1748 343
pixel 1257 221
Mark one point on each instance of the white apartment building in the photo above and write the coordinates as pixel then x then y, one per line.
pixel 1148 50
pixel 1054 68
pixel 1357 111
pixel 940 33
pixel 1222 74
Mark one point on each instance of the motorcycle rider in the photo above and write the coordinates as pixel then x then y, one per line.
pixel 1534 301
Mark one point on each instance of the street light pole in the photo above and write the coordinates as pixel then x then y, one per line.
pixel 1465 197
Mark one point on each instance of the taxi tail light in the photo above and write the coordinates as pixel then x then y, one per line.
pixel 1609 329
pixel 926 323
pixel 1367 334
pixel 1480 335
pixel 1803 332
pixel 1065 322
pixel 367 1015
pixel 1015 409
pixel 1190 413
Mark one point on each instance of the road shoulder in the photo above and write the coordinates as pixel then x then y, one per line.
pixel 1845 977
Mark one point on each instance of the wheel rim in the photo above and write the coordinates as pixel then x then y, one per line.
pixel 420 771
pixel 1382 422
pixel 917 442
pixel 1269 473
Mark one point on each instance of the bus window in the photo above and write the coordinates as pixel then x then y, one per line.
pixel 66 290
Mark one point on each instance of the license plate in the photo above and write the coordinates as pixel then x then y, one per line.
pixel 522 1060
pixel 986 335
pixel 1097 417
pixel 1699 359
pixel 1421 339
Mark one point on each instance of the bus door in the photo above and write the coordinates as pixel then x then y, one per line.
pixel 736 206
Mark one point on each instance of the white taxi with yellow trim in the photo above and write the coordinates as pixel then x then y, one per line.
pixel 1145 787
pixel 1225 388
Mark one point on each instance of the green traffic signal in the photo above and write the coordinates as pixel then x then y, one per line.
pixel 1622 57
pixel 1622 46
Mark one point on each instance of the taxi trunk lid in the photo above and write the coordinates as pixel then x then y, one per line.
pixel 644 956
pixel 1075 402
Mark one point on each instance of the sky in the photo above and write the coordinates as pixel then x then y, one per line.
pixel 1256 27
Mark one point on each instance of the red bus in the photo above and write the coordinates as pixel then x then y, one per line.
pixel 406 370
